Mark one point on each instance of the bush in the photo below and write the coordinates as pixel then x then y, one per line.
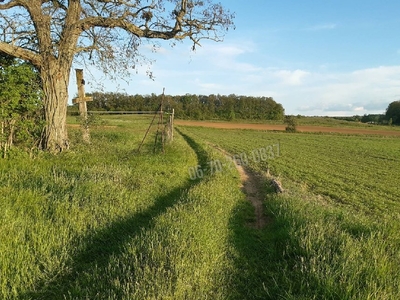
pixel 21 109
pixel 291 123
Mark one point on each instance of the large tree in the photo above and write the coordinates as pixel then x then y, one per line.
pixel 393 112
pixel 50 34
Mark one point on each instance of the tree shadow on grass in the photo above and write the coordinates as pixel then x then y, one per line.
pixel 107 243
pixel 257 257
pixel 202 155
pixel 268 259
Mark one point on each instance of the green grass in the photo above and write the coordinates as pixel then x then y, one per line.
pixel 55 207
pixel 103 221
pixel 360 171
pixel 332 122
pixel 335 229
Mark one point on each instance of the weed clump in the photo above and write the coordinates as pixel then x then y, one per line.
pixel 291 124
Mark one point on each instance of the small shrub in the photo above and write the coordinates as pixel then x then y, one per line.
pixel 21 107
pixel 291 124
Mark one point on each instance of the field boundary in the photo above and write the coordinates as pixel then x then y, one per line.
pixel 308 128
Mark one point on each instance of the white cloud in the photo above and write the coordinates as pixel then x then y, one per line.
pixel 362 91
pixel 295 77
pixel 230 50
pixel 241 68
pixel 208 86
pixel 225 57
pixel 328 26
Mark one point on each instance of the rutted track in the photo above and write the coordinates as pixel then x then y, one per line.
pixel 252 186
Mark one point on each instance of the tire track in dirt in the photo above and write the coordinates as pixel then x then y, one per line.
pixel 252 186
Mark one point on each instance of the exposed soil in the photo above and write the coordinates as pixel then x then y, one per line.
pixel 252 186
pixel 226 125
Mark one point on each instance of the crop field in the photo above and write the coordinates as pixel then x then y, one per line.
pixel 103 221
pixel 340 211
pixel 360 171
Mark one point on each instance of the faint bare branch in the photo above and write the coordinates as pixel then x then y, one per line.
pixel 62 29
pixel 24 54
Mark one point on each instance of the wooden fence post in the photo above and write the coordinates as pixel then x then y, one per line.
pixel 172 116
pixel 81 100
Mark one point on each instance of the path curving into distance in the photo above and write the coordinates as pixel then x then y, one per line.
pixel 252 187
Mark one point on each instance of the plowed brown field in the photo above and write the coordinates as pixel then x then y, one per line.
pixel 282 127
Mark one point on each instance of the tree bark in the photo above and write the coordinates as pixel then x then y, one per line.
pixel 55 80
pixel 10 139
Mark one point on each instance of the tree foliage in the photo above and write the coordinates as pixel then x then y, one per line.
pixel 51 34
pixel 291 123
pixel 393 112
pixel 20 104
pixel 195 107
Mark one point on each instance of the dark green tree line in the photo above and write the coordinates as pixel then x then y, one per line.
pixel 196 107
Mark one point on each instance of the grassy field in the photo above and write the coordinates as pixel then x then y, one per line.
pixel 103 221
pixel 315 121
pixel 332 122
pixel 338 219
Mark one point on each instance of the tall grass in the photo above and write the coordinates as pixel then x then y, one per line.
pixel 331 252
pixel 318 247
pixel 53 207
pixel 104 222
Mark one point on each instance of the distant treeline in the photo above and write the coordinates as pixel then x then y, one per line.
pixel 370 118
pixel 189 106
pixel 391 117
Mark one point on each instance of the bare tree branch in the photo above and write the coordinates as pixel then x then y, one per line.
pixel 23 54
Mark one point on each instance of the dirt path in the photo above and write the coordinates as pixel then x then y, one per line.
pixel 252 186
pixel 226 125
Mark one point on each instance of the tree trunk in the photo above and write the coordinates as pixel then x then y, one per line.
pixel 3 144
pixel 10 139
pixel 55 80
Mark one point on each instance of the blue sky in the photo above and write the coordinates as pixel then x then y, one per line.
pixel 325 58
